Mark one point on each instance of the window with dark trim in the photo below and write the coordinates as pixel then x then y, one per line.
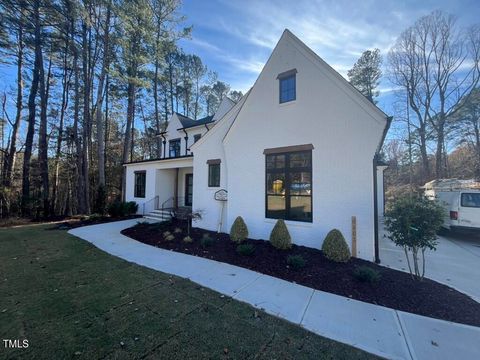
pixel 140 183
pixel 287 86
pixel 174 148
pixel 196 137
pixel 288 185
pixel 213 173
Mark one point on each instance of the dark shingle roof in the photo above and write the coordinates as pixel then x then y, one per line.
pixel 188 123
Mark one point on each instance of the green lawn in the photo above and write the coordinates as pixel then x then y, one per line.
pixel 71 300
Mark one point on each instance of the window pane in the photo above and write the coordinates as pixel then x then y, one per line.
pixel 300 183
pixel 139 186
pixel 276 207
pixel 287 89
pixel 300 208
pixel 300 159
pixel 270 161
pixel 470 200
pixel 276 184
pixel 214 175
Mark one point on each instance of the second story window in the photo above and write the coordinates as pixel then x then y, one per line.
pixel 287 86
pixel 174 148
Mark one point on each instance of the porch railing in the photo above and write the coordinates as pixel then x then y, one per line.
pixel 172 203
pixel 154 201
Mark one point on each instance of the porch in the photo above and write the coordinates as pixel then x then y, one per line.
pixel 161 187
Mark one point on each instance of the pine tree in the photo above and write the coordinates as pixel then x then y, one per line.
pixel 365 74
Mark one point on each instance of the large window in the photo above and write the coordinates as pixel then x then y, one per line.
pixel 289 186
pixel 287 86
pixel 174 148
pixel 213 173
pixel 140 180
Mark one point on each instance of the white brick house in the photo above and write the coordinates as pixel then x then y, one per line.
pixel 301 145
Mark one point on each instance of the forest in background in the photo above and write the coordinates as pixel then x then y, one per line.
pixel 96 80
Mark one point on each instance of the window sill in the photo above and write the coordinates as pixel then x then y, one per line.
pixel 287 103
pixel 290 223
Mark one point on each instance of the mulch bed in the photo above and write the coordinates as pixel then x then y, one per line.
pixel 92 220
pixel 395 289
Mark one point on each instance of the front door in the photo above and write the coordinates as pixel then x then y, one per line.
pixel 188 189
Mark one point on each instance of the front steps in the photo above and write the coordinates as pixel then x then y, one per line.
pixel 159 215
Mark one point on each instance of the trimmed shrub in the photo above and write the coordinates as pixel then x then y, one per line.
pixel 335 247
pixel 206 241
pixel 166 233
pixel 170 237
pixel 187 239
pixel 121 209
pixel 177 230
pixel 296 262
pixel 280 237
pixel 366 274
pixel 239 230
pixel 245 249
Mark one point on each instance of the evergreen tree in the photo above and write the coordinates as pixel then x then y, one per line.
pixel 365 74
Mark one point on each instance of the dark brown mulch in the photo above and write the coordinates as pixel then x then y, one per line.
pixel 395 289
pixel 78 222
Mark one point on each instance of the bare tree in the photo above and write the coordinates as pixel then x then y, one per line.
pixel 437 64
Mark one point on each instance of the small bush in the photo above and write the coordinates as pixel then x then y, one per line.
pixel 170 237
pixel 121 209
pixel 335 247
pixel 177 230
pixel 131 208
pixel 245 249
pixel 95 217
pixel 239 230
pixel 280 237
pixel 206 241
pixel 366 274
pixel 296 262
pixel 166 233
pixel 187 239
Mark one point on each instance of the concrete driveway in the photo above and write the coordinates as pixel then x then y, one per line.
pixel 456 262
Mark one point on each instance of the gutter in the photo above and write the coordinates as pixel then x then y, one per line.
pixel 376 159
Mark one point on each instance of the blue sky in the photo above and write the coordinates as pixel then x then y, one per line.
pixel 235 37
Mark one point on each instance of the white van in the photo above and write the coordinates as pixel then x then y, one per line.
pixel 463 209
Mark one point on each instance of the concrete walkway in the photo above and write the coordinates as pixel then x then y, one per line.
pixel 375 329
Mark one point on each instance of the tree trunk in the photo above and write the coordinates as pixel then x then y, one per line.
pixel 80 181
pixel 10 158
pixel 99 104
pixel 128 130
pixel 86 118
pixel 31 118
pixel 63 108
pixel 42 130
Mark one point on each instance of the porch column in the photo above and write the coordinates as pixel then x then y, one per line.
pixel 175 194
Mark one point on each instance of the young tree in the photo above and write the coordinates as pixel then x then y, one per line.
pixel 365 74
pixel 412 223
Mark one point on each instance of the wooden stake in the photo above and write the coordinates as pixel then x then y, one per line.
pixel 354 236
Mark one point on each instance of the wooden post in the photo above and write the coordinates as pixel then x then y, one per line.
pixel 354 236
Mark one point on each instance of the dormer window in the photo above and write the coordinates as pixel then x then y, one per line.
pixel 287 86
pixel 174 148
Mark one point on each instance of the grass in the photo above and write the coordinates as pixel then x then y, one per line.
pixel 71 300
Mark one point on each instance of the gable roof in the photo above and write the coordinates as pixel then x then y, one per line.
pixel 351 90
pixel 370 108
pixel 188 122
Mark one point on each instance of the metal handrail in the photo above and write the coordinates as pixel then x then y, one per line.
pixel 174 200
pixel 156 199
